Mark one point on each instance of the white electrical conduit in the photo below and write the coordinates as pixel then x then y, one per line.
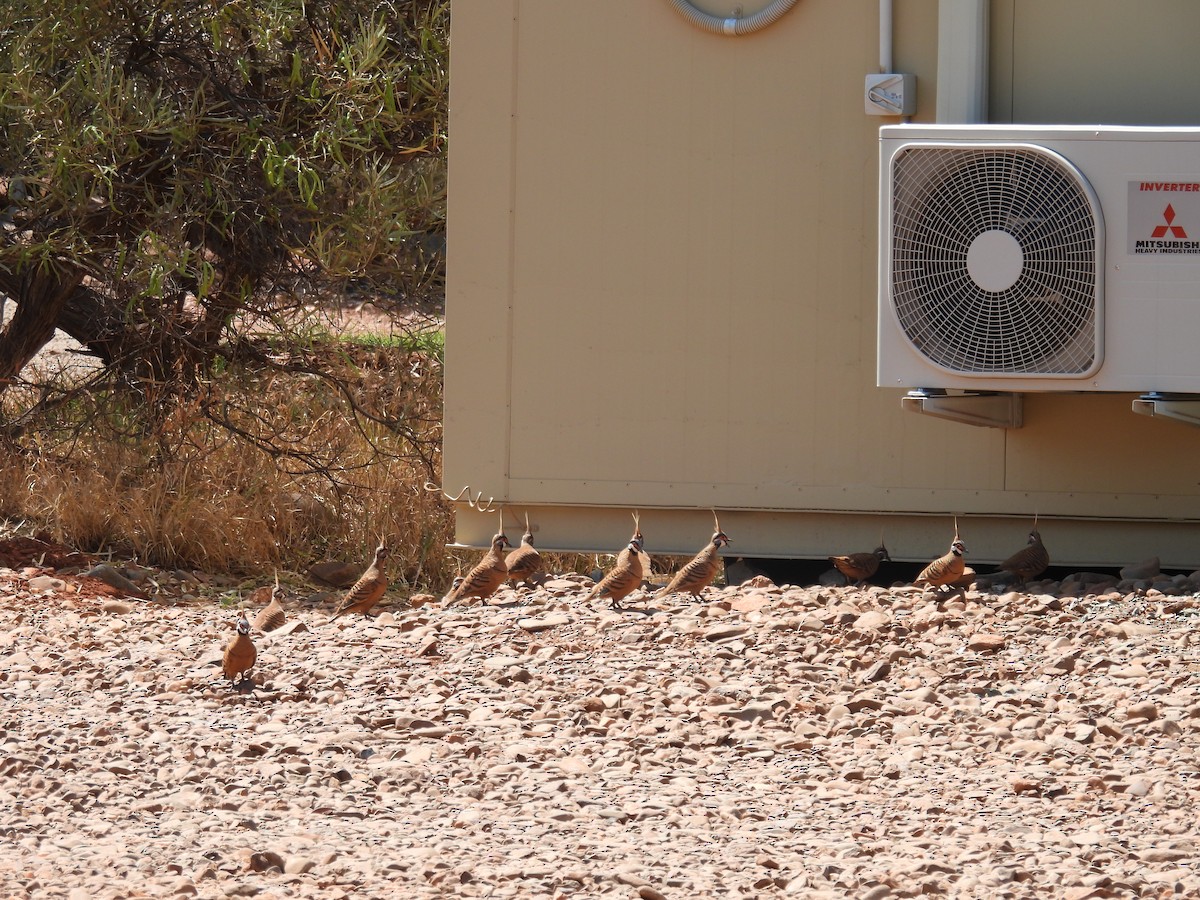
pixel 885 36
pixel 718 25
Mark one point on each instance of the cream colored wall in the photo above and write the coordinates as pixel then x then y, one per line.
pixel 662 294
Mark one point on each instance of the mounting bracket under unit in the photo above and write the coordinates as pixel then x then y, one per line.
pixel 1182 407
pixel 986 409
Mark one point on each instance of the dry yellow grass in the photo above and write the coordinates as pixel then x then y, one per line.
pixel 191 494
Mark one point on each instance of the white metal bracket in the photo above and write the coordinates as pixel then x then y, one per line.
pixel 1183 408
pixel 988 410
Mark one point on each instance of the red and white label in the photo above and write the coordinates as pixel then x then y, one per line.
pixel 1164 218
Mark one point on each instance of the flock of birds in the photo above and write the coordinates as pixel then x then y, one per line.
pixel 524 564
pixel 947 571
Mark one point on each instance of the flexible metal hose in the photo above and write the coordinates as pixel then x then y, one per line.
pixel 717 25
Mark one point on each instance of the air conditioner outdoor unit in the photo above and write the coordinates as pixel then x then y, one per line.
pixel 1039 258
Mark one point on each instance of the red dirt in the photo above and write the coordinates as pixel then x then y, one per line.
pixel 39 551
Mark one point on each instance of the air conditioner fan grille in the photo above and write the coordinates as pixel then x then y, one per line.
pixel 1045 322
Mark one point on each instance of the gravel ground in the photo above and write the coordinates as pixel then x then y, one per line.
pixel 763 741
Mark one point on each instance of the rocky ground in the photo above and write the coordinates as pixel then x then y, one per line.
pixel 764 741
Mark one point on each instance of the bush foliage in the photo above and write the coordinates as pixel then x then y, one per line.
pixel 185 187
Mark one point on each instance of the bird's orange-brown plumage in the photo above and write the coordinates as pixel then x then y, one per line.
pixel 370 587
pixel 624 577
pixel 525 563
pixel 945 569
pixel 700 571
pixel 1030 561
pixel 240 653
pixel 642 554
pixel 858 567
pixel 489 573
pixel 272 615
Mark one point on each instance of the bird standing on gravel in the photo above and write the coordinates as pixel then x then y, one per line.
pixel 240 653
pixel 946 569
pixel 272 615
pixel 525 563
pixel 624 577
pixel 1030 561
pixel 369 588
pixel 701 569
pixel 489 573
pixel 858 567
pixel 642 554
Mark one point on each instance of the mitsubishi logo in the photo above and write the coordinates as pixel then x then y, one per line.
pixel 1169 217
pixel 1159 228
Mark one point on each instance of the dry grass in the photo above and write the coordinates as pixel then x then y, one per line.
pixel 304 476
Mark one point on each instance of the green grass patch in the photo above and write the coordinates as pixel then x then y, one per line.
pixel 431 341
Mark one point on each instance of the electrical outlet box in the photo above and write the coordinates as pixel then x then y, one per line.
pixel 891 95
